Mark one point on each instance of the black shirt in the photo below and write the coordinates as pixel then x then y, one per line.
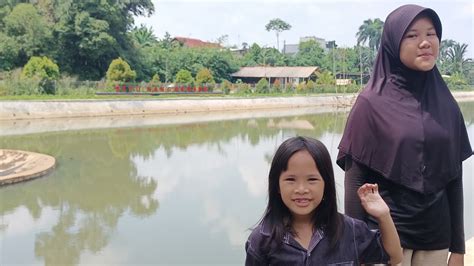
pixel 424 221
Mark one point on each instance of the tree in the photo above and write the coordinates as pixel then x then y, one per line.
pixel 29 30
pixel 90 34
pixel 278 26
pixel 457 54
pixel 370 31
pixel 143 36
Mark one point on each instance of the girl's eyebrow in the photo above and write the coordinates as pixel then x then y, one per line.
pixel 415 30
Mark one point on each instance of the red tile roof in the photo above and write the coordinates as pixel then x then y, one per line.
pixel 192 43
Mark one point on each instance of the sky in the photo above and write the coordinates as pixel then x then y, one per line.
pixel 245 20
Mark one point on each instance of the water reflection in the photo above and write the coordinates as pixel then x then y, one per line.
pixel 180 194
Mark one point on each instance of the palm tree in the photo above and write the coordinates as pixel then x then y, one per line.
pixel 456 55
pixel 143 36
pixel 370 31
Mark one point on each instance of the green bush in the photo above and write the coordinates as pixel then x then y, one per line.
pixel 184 77
pixel 277 86
pixel 457 82
pixel 262 86
pixel 119 70
pixel 44 70
pixel 204 76
pixel 310 86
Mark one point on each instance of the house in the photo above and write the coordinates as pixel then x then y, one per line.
pixel 286 75
pixel 194 43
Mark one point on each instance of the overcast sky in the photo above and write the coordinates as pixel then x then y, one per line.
pixel 245 20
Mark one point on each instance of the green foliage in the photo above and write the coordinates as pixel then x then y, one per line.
pixel 310 54
pixel 8 52
pixel 311 86
pixel 43 69
pixel 226 86
pixel 184 76
pixel 143 36
pixel 301 87
pixel 262 86
pixel 16 84
pixel 278 26
pixel 29 30
pixel 119 70
pixel 457 82
pixel 325 78
pixel 370 31
pixel 204 76
pixel 155 79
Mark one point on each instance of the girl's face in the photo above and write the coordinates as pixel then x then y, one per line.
pixel 420 45
pixel 301 186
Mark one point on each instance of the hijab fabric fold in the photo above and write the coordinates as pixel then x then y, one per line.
pixel 405 124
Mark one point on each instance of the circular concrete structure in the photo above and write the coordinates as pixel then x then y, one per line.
pixel 17 166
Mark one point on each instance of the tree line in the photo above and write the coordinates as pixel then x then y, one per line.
pixel 83 38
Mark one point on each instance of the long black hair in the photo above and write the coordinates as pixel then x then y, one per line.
pixel 278 216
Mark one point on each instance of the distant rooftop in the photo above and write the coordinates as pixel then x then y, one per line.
pixel 192 43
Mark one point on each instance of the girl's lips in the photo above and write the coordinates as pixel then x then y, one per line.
pixel 301 202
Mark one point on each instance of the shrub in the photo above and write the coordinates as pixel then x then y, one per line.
pixel 204 76
pixel 184 76
pixel 262 86
pixel 119 70
pixel 301 87
pixel 44 70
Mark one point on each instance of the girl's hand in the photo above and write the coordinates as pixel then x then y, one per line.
pixel 372 201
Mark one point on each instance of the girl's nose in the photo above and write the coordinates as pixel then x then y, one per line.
pixel 425 44
pixel 301 188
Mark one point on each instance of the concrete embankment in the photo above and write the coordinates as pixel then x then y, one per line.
pixel 17 110
pixel 92 108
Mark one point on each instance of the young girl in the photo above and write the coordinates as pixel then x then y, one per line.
pixel 301 225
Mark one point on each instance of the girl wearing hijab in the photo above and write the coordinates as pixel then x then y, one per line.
pixel 406 133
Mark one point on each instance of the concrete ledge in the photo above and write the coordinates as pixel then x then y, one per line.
pixel 14 110
pixel 17 166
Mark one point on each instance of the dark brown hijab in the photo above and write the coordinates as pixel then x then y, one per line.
pixel 405 124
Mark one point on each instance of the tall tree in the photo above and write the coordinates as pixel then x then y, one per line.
pixel 90 34
pixel 370 31
pixel 278 26
pixel 29 30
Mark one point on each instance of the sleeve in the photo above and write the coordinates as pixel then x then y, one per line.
pixel 456 211
pixel 253 256
pixel 355 177
pixel 368 244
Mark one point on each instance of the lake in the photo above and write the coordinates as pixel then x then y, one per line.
pixel 158 193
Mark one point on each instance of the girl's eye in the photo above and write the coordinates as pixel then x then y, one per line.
pixel 312 179
pixel 432 34
pixel 290 179
pixel 410 36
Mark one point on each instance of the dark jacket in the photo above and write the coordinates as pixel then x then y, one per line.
pixel 357 244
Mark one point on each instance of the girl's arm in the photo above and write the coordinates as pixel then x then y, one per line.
pixel 454 191
pixel 355 177
pixel 376 206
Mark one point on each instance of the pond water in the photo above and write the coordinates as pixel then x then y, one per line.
pixel 158 194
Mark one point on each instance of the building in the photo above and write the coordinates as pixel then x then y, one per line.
pixel 194 43
pixel 286 75
pixel 292 49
